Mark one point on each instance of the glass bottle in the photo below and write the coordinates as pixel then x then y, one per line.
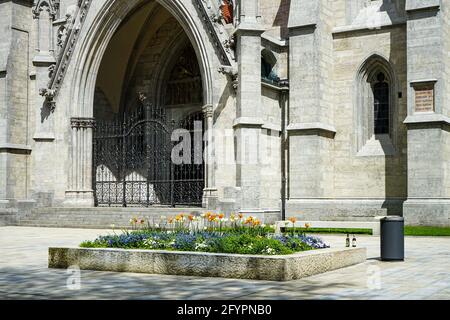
pixel 347 241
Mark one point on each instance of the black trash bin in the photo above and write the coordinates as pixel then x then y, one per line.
pixel 392 238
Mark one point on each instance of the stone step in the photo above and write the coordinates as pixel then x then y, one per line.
pixel 98 218
pixel 7 219
pixel 34 224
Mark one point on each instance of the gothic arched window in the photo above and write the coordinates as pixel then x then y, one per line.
pixel 381 105
pixel 376 108
pixel 268 62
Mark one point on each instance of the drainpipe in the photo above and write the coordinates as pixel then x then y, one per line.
pixel 284 145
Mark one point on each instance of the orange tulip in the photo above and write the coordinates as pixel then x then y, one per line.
pixel 293 220
pixel 249 220
pixel 191 217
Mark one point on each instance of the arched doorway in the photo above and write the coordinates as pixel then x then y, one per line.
pixel 138 106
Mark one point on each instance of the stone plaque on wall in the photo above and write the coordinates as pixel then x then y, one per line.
pixel 424 97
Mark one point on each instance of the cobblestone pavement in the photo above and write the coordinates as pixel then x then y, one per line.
pixel 24 274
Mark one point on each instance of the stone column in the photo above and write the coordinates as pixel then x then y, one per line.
pixel 248 122
pixel 210 195
pixel 15 147
pixel 310 129
pixel 80 192
pixel 44 176
pixel 44 60
pixel 428 119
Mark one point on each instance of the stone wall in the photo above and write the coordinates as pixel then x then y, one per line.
pixel 275 16
pixel 335 172
pixel 368 175
pixel 14 99
pixel 428 197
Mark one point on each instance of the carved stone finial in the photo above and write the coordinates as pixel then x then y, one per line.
pixel 232 73
pixel 47 93
pixel 51 6
pixel 142 97
pixel 49 96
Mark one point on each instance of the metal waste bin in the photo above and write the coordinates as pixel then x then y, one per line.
pixel 392 238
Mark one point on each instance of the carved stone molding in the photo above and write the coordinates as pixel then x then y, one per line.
pixel 52 6
pixel 208 111
pixel 67 40
pixel 69 33
pixel 82 123
pixel 219 36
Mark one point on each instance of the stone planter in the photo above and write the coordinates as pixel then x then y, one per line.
pixel 275 268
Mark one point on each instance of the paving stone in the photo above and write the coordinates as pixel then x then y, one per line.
pixel 24 274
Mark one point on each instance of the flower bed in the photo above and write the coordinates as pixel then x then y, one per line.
pixel 241 242
pixel 208 246
pixel 208 233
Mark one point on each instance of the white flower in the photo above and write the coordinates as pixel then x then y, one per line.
pixel 269 250
pixel 151 243
pixel 201 245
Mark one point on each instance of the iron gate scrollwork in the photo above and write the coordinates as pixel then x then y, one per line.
pixel 133 161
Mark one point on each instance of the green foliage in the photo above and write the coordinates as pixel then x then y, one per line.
pixel 333 230
pixel 248 244
pixel 249 241
pixel 427 231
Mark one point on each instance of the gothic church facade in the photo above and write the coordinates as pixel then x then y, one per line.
pixel 320 109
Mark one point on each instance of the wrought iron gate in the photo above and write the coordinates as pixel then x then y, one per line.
pixel 133 161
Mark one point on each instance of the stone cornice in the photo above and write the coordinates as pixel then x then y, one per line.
pixel 11 148
pixel 416 5
pixel 318 128
pixel 311 126
pixel 248 122
pixel 274 41
pixel 430 118
pixel 249 29
pixel 363 28
pixel 272 127
pixel 281 86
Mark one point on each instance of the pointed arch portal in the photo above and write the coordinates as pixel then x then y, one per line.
pixel 165 85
